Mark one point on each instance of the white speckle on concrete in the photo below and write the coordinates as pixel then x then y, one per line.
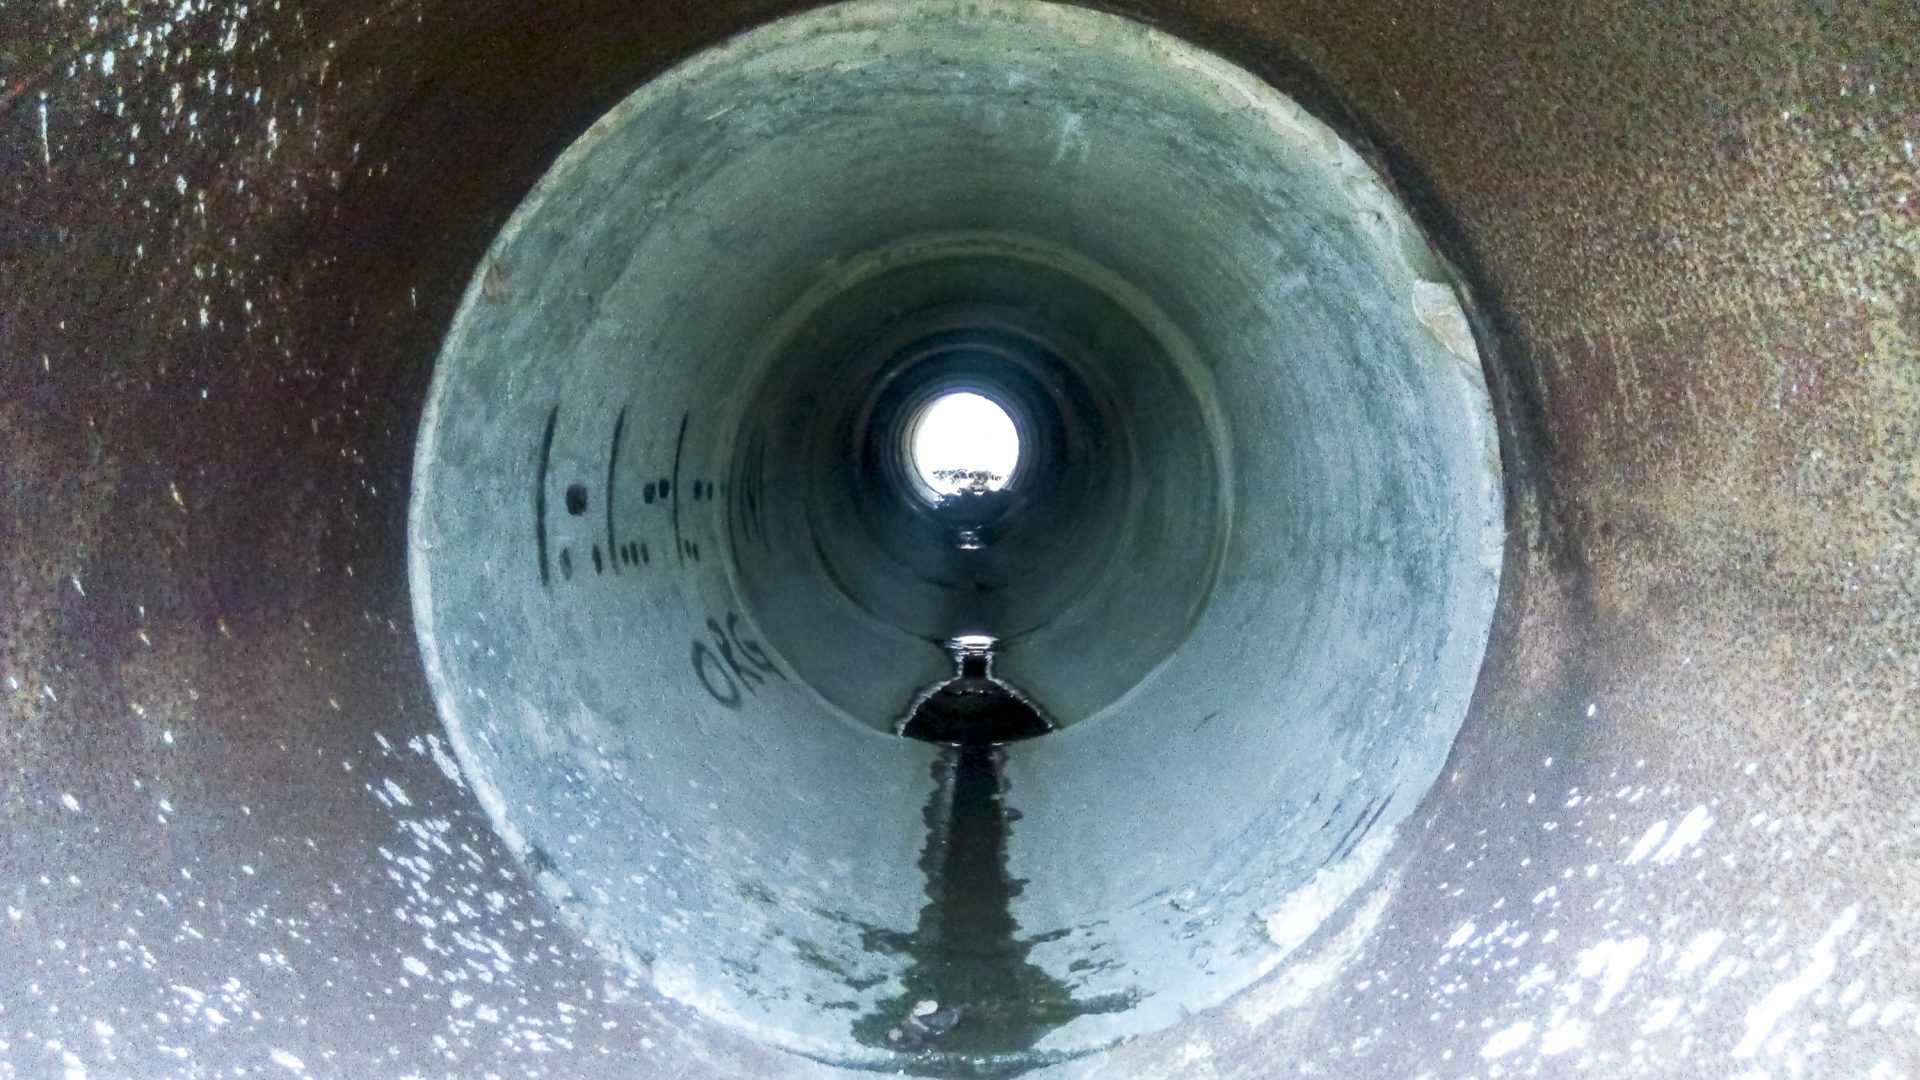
pixel 1507 1040
pixel 1699 951
pixel 445 761
pixel 1781 1000
pixel 1648 842
pixel 67 800
pixel 1614 963
pixel 1569 1034
pixel 1663 1014
pixel 1685 835
pixel 288 1061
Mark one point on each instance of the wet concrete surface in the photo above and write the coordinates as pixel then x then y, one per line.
pixel 972 1002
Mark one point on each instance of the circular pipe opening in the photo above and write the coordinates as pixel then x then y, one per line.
pixel 679 600
pixel 962 442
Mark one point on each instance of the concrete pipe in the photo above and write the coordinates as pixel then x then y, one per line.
pixel 481 601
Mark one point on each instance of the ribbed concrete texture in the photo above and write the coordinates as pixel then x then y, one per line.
pixel 465 584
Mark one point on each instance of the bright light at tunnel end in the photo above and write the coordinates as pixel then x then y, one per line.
pixel 963 442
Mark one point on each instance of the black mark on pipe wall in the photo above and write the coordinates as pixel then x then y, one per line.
pixel 731 664
pixel 1358 831
pixel 613 463
pixel 745 515
pixel 577 498
pixel 714 676
pixel 540 494
pixel 673 489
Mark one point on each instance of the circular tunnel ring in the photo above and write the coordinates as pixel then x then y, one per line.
pixel 1254 599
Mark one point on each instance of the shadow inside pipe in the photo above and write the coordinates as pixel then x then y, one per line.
pixel 974 709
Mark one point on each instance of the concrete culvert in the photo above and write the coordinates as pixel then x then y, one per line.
pixel 1247 567
pixel 1422 582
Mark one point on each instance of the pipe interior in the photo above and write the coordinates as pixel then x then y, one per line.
pixel 678 592
pixel 291 295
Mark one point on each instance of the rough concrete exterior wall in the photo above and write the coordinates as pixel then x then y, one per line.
pixel 231 843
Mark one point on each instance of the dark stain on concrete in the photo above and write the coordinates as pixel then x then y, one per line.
pixel 974 1003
